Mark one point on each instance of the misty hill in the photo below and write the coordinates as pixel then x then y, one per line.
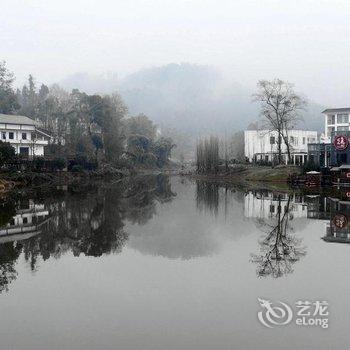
pixel 191 98
pixel 91 84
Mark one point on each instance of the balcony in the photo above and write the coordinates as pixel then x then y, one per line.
pixel 27 142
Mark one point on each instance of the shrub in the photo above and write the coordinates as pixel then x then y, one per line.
pixel 7 153
pixel 310 166
pixel 77 168
pixel 38 163
pixel 58 163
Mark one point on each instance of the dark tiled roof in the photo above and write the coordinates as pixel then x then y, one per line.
pixel 336 110
pixel 16 119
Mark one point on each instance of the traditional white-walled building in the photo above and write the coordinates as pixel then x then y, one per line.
pixel 23 135
pixel 261 145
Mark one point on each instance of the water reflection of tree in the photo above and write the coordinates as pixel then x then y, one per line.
pixel 141 196
pixel 87 221
pixel 279 248
pixel 9 253
pixel 207 196
pixel 212 197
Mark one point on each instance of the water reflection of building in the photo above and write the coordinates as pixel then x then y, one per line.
pixel 318 207
pixel 264 204
pixel 25 223
pixel 338 226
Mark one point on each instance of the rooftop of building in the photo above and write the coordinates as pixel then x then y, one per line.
pixel 337 110
pixel 274 131
pixel 16 119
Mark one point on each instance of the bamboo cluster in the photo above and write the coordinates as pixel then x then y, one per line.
pixel 208 155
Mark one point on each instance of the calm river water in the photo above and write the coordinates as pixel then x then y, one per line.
pixel 168 263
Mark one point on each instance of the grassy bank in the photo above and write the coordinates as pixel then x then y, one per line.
pixel 250 175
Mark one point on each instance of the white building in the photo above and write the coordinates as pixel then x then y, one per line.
pixel 25 224
pixel 336 119
pixel 266 206
pixel 261 145
pixel 23 135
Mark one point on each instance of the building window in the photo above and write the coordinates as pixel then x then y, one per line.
pixel 343 128
pixel 25 220
pixel 272 208
pixel 3 135
pixel 272 140
pixel 304 140
pixel 330 130
pixel 342 118
pixel 330 119
pixel 11 135
pixel 24 135
pixel 24 151
pixel 312 147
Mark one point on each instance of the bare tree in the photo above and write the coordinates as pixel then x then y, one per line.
pixel 280 108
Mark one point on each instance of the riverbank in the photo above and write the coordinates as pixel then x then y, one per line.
pixel 247 176
pixel 251 175
pixel 35 179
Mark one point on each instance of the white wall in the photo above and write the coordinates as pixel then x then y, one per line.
pixel 337 125
pixel 36 148
pixel 258 141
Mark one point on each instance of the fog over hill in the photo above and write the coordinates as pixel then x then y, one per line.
pixel 194 99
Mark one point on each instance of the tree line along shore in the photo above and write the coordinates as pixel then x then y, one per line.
pixel 88 132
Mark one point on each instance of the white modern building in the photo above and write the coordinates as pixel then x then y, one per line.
pixel 23 135
pixel 262 145
pixel 336 119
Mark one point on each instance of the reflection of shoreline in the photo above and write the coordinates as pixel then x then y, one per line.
pixel 264 205
pixel 25 224
pixel 333 211
pixel 338 227
pixel 81 220
pixel 99 220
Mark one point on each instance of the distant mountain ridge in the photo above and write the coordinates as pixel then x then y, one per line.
pixel 194 99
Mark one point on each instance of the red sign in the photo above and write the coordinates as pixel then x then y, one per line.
pixel 340 221
pixel 341 142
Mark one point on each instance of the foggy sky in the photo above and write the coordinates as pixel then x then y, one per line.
pixel 303 41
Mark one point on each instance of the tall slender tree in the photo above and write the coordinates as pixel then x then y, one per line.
pixel 8 98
